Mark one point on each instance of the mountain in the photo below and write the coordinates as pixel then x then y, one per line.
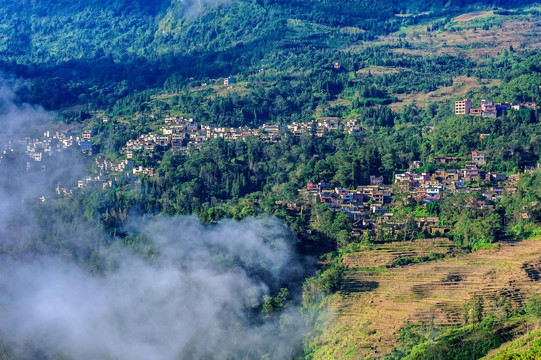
pixel 69 47
pixel 269 179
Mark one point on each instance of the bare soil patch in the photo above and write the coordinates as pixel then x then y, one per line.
pixel 380 70
pixel 473 15
pixel 461 85
pixel 475 35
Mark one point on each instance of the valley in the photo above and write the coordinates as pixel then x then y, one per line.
pixel 270 179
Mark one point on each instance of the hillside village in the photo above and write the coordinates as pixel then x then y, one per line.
pixel 185 134
pixel 48 145
pixel 36 149
pixel 370 206
pixel 489 109
pixel 362 179
pixel 177 133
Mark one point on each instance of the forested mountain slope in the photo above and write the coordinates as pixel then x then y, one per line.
pixel 103 48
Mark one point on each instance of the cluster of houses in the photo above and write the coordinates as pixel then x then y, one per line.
pixel 369 205
pixel 357 203
pixel 91 181
pixel 50 143
pixel 184 134
pixel 488 109
pixel 320 128
pixel 127 165
pixel 107 166
pixel 366 205
pixel 145 143
pixel 88 181
pixel 427 187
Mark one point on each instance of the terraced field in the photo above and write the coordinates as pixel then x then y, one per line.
pixel 376 302
pixel 385 254
pixel 461 86
pixel 476 35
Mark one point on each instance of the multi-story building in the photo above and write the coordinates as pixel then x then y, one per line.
pixel 490 111
pixel 88 134
pixel 470 172
pixel 476 112
pixel 478 157
pixel 485 104
pixel 462 107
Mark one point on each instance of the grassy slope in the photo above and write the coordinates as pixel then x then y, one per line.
pixel 525 347
pixel 375 303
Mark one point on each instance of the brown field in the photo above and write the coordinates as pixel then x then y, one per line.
pixel 473 15
pixel 384 255
pixel 374 304
pixel 461 85
pixel 320 110
pixel 464 36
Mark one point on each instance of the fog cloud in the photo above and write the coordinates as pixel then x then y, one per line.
pixel 193 299
pixel 194 292
pixel 24 181
pixel 17 117
pixel 196 7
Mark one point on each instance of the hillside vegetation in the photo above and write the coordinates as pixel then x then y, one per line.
pixel 96 52
pixel 525 347
pixel 307 111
